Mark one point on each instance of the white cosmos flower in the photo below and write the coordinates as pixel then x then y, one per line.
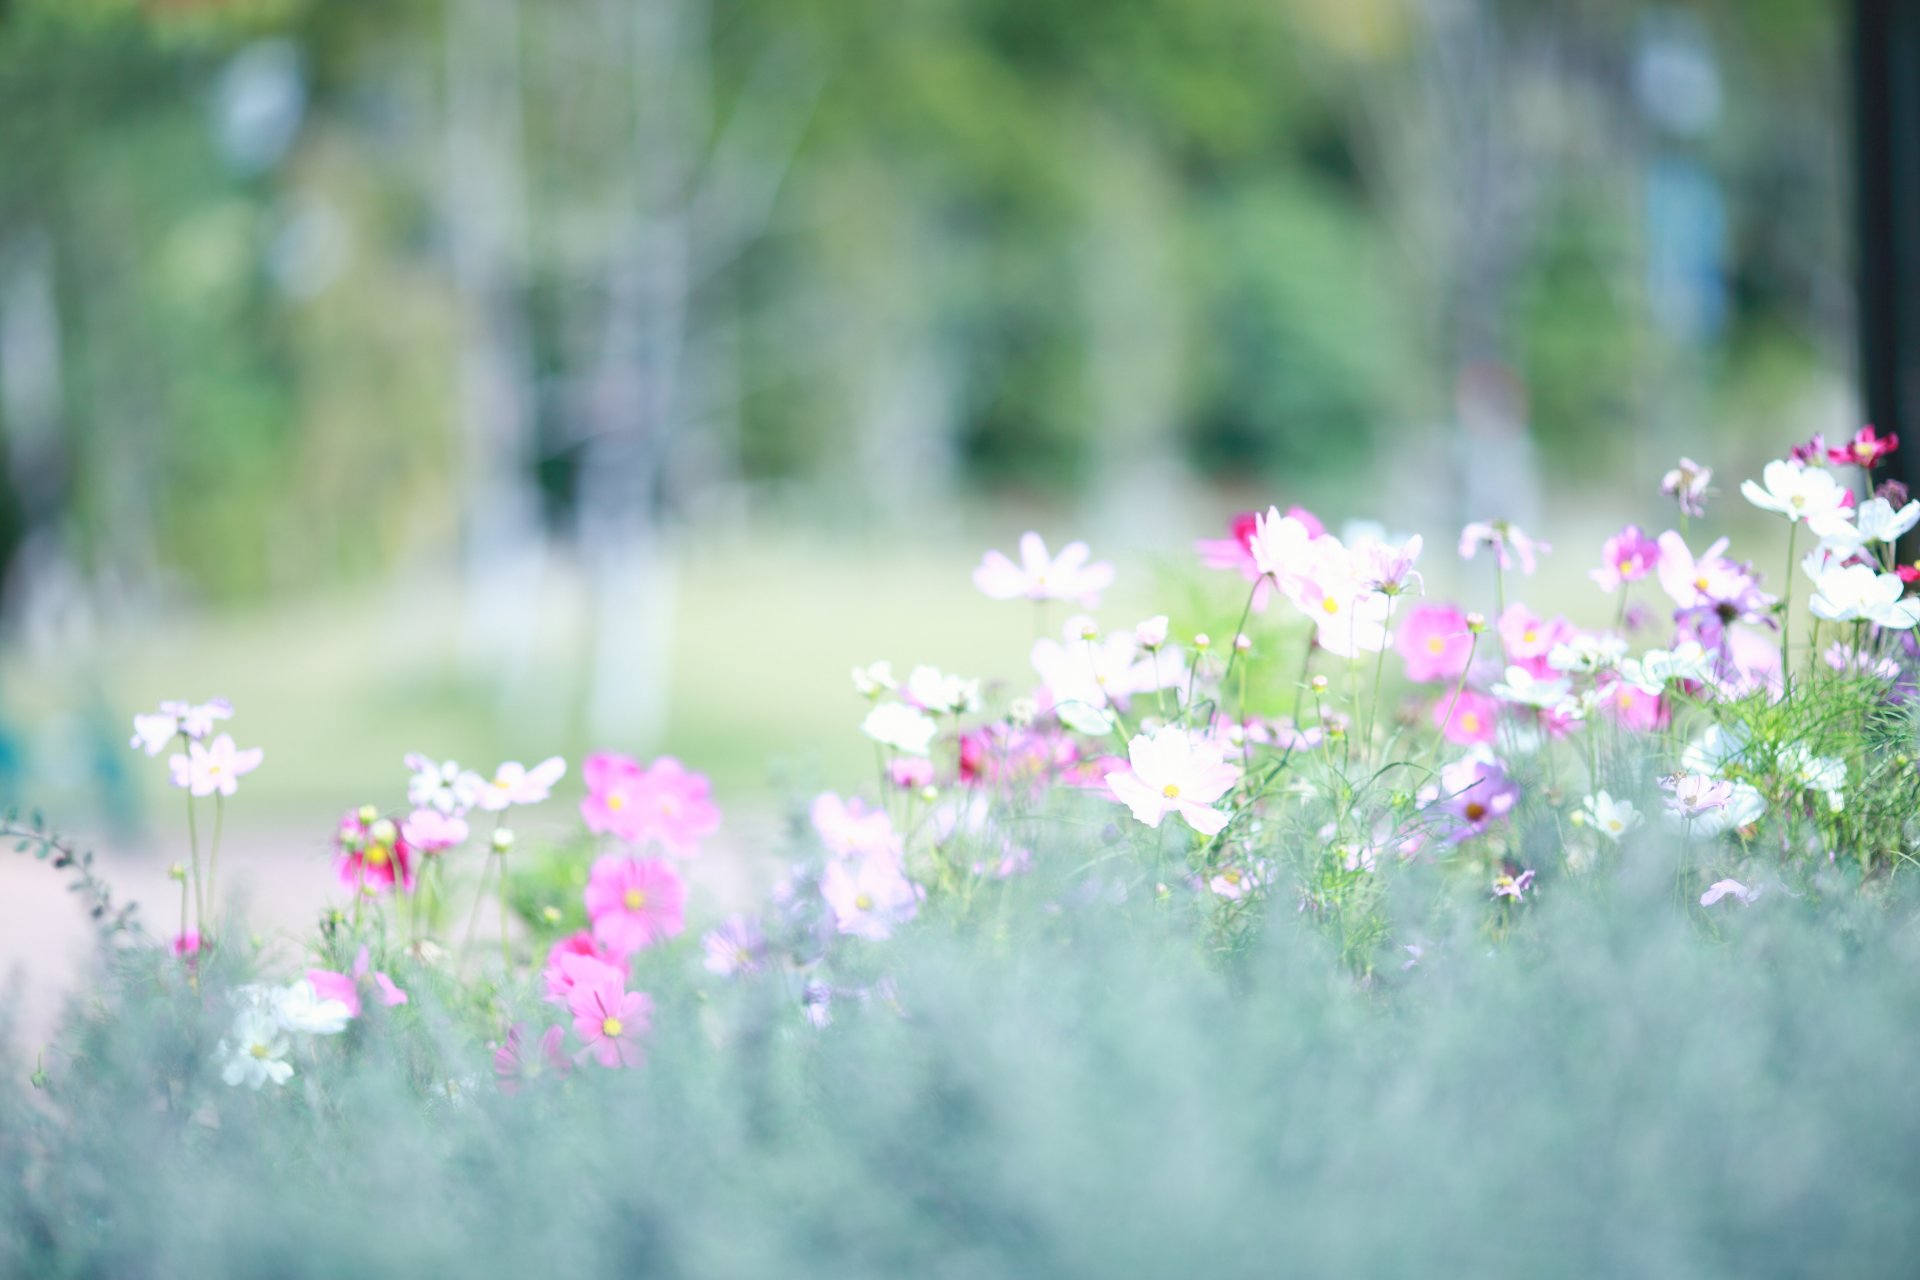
pixel 1795 491
pixel 872 681
pixel 904 728
pixel 1587 653
pixel 298 1007
pixel 1653 670
pixel 1858 593
pixel 1173 771
pixel 1611 818
pixel 443 786
pixel 255 1051
pixel 940 693
pixel 1874 521
pixel 1527 689
pixel 1716 748
pixel 1743 808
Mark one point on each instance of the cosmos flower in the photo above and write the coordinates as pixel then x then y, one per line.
pixel 869 897
pixel 1611 818
pixel 1435 642
pixel 1039 576
pixel 153 732
pixel 214 768
pixel 1511 544
pixel 1475 718
pixel 514 783
pixel 1867 449
pixel 904 728
pixel 665 802
pixel 1794 491
pixel 441 785
pixel 1175 772
pixel 1730 889
pixel 634 903
pixel 1687 485
pixel 610 1019
pixel 255 1051
pixel 515 1066
pixel 1627 556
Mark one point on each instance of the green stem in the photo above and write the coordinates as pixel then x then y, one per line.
pixel 1473 645
pixel 199 886
pixel 213 855
pixel 1786 609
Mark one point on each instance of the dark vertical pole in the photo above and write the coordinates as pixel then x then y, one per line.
pixel 1886 107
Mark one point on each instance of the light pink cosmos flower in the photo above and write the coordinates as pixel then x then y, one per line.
pixel 1388 568
pixel 431 831
pixel 513 783
pixel 1282 547
pixel 514 1066
pixel 1695 794
pixel 1435 642
pixel 1476 791
pixel 849 829
pixel 1039 576
pixel 869 897
pixel 1687 485
pixel 1175 772
pixel 1349 617
pixel 1236 551
pixel 1627 556
pixel 1475 719
pixel 635 902
pixel 345 987
pixel 1508 885
pixel 1709 581
pixel 216 768
pixel 1730 889
pixel 610 1019
pixel 1509 541
pixel 152 732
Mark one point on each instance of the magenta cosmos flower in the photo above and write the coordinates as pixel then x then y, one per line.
pixel 373 853
pixel 1866 449
pixel 1435 642
pixel 610 1019
pixel 635 902
pixel 1627 556
pixel 665 801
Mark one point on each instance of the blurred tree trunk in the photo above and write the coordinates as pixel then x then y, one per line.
pixel 487 223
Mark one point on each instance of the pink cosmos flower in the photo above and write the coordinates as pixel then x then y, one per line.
pixel 186 945
pixel 1632 706
pixel 666 802
pixel 1508 885
pixel 868 897
pixel 513 783
pixel 635 902
pixel 1709 582
pixel 610 1019
pixel 1695 794
pixel 514 1066
pixel 910 773
pixel 849 829
pixel 1282 547
pixel 1509 541
pixel 1476 718
pixel 372 854
pixel 1530 639
pixel 1039 576
pixel 345 987
pixel 1435 642
pixel 1866 450
pixel 1687 485
pixel 1236 551
pixel 214 768
pixel 573 957
pixel 1175 772
pixel 1627 556
pixel 431 831
pixel 1730 889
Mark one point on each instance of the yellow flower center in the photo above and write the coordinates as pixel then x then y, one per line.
pixel 1616 826
pixel 1436 645
pixel 863 901
pixel 635 899
pixel 1171 791
pixel 377 855
pixel 1700 583
pixel 1470 722
pixel 616 802
pixel 259 1050
pixel 612 1028
pixel 1529 636
pixel 1475 811
pixel 1625 565
pixel 1330 605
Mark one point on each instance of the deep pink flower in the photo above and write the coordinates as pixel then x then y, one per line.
pixel 372 853
pixel 610 1019
pixel 1627 556
pixel 514 1066
pixel 1434 640
pixel 1866 449
pixel 568 963
pixel 635 902
pixel 665 801
pixel 187 945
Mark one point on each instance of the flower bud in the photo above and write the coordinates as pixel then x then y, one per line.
pixel 383 832
pixel 177 873
pixel 1203 642
pixel 1477 623
pixel 550 914
pixel 1243 642
pixel 929 793
pixel 502 839
pixel 367 814
pixel 1088 631
pixel 1318 684
pixel 1022 712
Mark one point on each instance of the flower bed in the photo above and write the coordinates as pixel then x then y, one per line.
pixel 1379 935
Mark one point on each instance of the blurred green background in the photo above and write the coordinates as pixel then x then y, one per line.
pixel 498 377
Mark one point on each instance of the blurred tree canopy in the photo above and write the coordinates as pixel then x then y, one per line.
pixel 291 287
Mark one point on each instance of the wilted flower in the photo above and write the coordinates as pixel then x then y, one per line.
pixel 1511 543
pixel 1687 484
